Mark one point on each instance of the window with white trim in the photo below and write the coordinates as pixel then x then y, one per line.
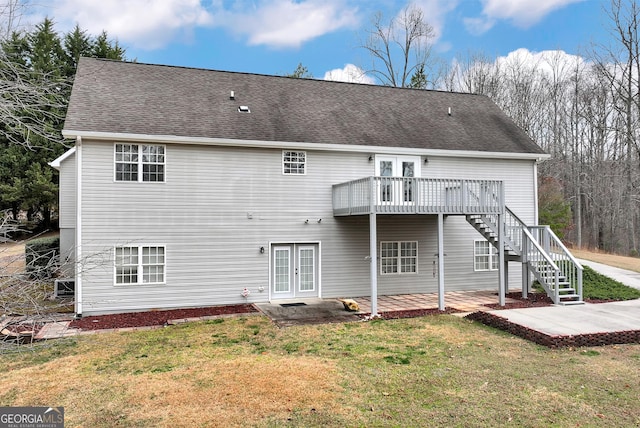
pixel 398 257
pixel 485 256
pixel 139 162
pixel 294 163
pixel 139 265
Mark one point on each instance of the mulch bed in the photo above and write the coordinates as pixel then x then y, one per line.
pixel 412 313
pixel 533 300
pixel 155 318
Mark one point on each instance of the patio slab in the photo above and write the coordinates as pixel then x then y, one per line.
pixel 577 320
pixel 286 313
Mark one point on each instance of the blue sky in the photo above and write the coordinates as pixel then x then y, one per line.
pixel 273 36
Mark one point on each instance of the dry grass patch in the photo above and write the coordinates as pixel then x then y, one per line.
pixel 435 371
pixel 245 391
pixel 630 263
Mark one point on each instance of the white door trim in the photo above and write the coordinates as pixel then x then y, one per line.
pixel 296 245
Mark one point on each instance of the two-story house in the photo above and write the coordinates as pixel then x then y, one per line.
pixel 190 187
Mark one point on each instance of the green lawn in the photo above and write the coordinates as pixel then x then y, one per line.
pixel 431 371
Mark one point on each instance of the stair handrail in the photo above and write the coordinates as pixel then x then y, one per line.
pixel 519 223
pixel 564 249
pixel 540 249
pixel 570 256
pixel 512 214
pixel 554 289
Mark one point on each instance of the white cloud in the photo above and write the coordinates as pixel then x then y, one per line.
pixel 523 13
pixel 152 24
pixel 350 73
pixel 551 65
pixel 477 26
pixel 145 24
pixel 287 23
pixel 547 62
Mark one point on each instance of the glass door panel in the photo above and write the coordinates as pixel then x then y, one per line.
pixel 306 269
pixel 282 270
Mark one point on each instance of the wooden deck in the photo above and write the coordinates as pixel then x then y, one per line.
pixel 412 195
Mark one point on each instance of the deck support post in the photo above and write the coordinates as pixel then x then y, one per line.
pixel 502 261
pixel 524 261
pixel 441 262
pixel 373 259
pixel 506 274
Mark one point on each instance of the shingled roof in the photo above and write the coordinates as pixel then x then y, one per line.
pixel 134 98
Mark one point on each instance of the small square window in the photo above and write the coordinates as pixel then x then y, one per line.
pixel 294 163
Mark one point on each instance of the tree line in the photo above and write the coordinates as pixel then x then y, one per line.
pixel 582 110
pixel 36 74
pixel 585 112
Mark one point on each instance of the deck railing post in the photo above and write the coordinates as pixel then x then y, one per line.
pixel 463 196
pixel 372 195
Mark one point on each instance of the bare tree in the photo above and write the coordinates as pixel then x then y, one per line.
pixel 400 48
pixel 11 13
pixel 620 65
pixel 29 106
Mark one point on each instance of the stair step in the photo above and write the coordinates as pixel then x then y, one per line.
pixel 569 296
pixel 572 302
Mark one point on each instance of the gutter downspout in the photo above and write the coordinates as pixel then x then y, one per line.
pixel 78 238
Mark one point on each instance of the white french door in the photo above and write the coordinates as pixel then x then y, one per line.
pixel 394 191
pixel 295 271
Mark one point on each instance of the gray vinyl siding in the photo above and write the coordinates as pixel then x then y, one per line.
pixel 219 205
pixel 67 251
pixel 67 194
pixel 67 215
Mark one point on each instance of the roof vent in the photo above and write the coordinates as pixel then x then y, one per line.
pixel 232 95
pixel 449 112
pixel 244 109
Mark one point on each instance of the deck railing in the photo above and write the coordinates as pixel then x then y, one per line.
pixel 398 195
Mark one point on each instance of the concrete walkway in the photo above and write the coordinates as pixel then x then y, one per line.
pixel 627 277
pixel 579 319
pixel 579 325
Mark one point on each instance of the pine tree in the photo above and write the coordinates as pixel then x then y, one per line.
pixel 103 48
pixel 36 71
pixel 76 44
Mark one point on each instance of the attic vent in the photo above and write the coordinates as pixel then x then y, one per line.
pixel 244 109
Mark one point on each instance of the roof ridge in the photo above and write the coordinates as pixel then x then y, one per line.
pixel 246 73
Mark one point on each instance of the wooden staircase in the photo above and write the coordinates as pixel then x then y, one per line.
pixel 541 253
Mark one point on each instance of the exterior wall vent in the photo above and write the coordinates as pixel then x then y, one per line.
pixel 244 109
pixel 64 287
